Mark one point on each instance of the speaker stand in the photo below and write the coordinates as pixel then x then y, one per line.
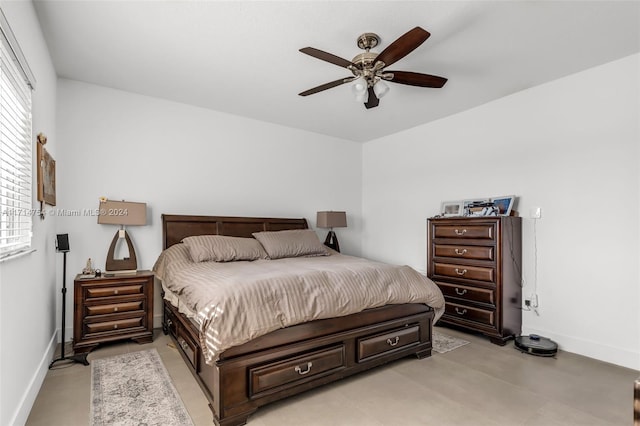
pixel 79 358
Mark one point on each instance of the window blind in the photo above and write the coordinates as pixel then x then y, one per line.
pixel 15 148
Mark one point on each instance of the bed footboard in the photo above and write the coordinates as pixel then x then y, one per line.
pixel 295 359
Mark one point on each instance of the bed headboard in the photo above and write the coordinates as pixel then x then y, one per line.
pixel 177 227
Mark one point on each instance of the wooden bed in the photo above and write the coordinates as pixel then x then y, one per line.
pixel 293 359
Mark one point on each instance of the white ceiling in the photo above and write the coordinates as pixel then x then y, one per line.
pixel 241 57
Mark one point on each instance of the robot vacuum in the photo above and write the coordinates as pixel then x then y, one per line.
pixel 536 345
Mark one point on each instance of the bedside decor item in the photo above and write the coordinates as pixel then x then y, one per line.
pixel 62 246
pixel 121 213
pixel 331 219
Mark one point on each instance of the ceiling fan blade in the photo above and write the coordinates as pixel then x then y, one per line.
pixel 328 57
pixel 417 79
pixel 404 45
pixel 373 100
pixel 324 87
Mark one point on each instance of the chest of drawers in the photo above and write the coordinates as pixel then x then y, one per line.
pixel 477 263
pixel 112 308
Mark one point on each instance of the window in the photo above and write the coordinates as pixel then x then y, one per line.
pixel 16 83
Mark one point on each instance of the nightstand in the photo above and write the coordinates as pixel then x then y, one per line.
pixel 111 308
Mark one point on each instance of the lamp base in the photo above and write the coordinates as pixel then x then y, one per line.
pixel 127 264
pixel 332 241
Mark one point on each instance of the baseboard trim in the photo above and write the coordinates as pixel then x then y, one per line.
pixel 29 397
pixel 596 350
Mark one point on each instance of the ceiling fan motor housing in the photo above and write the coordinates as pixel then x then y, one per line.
pixel 368 41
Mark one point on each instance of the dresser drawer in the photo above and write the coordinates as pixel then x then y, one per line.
pixel 291 371
pixel 110 291
pixel 465 231
pixel 370 347
pixel 114 308
pixel 114 326
pixel 464 252
pixel 472 294
pixel 468 313
pixel 467 272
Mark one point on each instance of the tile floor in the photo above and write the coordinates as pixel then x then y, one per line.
pixel 476 384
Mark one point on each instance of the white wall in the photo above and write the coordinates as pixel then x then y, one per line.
pixel 181 159
pixel 570 147
pixel 28 289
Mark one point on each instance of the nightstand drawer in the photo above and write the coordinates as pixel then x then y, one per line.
pixel 114 308
pixel 466 272
pixel 464 252
pixel 116 325
pixel 110 291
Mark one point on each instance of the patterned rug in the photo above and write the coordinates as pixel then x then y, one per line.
pixel 134 389
pixel 443 343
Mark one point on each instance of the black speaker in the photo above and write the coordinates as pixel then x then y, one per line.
pixel 62 242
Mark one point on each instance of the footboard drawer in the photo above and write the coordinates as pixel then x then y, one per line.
pixel 189 348
pixel 370 347
pixel 289 372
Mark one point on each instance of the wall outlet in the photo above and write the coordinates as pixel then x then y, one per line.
pixel 535 212
pixel 533 300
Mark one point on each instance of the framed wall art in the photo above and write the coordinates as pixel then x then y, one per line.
pixel 46 173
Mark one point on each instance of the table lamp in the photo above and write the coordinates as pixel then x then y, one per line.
pixel 123 213
pixel 331 219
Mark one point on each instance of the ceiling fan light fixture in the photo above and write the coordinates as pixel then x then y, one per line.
pixel 380 88
pixel 359 87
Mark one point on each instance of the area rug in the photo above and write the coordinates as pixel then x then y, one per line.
pixel 443 343
pixel 134 389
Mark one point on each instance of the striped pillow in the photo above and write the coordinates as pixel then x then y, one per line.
pixel 291 243
pixel 221 248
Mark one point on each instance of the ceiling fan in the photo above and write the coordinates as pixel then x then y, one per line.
pixel 368 68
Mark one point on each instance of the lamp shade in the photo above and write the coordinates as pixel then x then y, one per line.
pixel 380 88
pixel 331 219
pixel 122 213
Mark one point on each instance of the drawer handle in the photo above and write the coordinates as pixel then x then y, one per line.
pixel 183 344
pixel 169 323
pixel 460 312
pixel 115 291
pixel 302 372
pixel 459 272
pixel 460 253
pixel 115 309
pixel 115 326
pixel 461 292
pixel 464 231
pixel 393 342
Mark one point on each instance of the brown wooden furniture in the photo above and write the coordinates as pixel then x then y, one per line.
pixel 291 360
pixel 477 264
pixel 111 308
pixel 636 402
